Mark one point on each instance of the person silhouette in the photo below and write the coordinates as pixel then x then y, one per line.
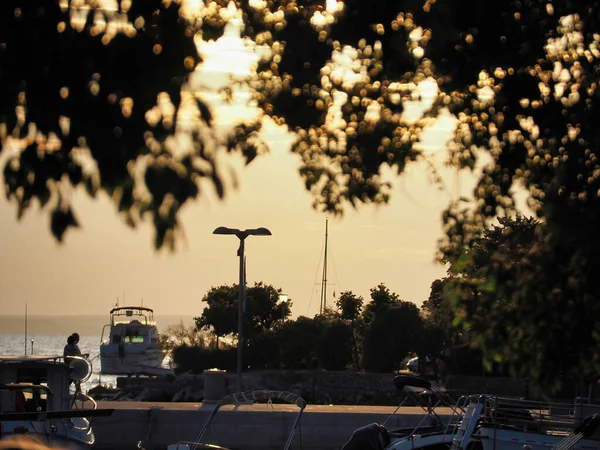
pixel 76 342
pixel 71 349
pixel 76 338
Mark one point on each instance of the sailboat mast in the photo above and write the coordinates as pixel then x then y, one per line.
pixel 324 281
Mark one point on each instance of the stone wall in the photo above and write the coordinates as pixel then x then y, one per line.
pixel 323 387
pixel 317 387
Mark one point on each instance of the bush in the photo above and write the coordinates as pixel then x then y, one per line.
pixel 298 342
pixel 334 346
pixel 264 352
pixel 198 359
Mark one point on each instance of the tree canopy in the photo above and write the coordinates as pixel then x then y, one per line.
pixel 437 309
pixel 107 97
pixel 87 86
pixel 349 305
pixel 392 330
pixel 220 314
pixel 501 295
pixel 263 310
pixel 440 331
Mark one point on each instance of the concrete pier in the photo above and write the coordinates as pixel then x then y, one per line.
pixel 246 427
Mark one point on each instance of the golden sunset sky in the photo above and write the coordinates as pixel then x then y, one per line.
pixel 104 259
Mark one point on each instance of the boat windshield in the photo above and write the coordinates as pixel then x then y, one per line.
pixel 132 314
pixel 136 321
pixel 23 397
pixel 117 339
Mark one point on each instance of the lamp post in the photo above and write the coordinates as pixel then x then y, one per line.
pixel 241 235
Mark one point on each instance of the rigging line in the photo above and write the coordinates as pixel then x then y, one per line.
pixel 337 275
pixel 439 178
pixel 432 172
pixel 314 286
pixel 439 183
pixel 408 194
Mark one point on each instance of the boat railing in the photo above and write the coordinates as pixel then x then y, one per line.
pixel 456 418
pixel 429 398
pixel 469 423
pixel 250 397
pixel 533 416
pixel 586 429
pixel 81 400
pixel 424 392
pixel 145 316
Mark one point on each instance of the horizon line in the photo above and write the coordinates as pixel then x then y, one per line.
pixel 77 315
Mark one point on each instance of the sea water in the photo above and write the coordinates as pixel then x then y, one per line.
pixel 14 345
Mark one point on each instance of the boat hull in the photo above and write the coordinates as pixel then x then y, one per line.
pixel 132 359
pixel 503 439
pixel 424 442
pixel 68 434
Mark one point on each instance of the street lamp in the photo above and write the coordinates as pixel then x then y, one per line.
pixel 241 235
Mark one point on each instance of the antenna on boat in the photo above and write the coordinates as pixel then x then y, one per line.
pixel 142 302
pixel 25 329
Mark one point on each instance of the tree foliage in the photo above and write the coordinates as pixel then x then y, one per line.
pixel 83 87
pixel 339 75
pixel 76 88
pixel 220 315
pixel 392 330
pixel 437 309
pixel 349 305
pixel 298 343
pixel 440 332
pixel 334 346
pixel 263 310
pixel 528 329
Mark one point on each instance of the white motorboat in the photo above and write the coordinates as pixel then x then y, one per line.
pixel 483 422
pixel 511 424
pixel 433 432
pixel 132 345
pixel 35 400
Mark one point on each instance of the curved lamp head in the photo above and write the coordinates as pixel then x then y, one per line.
pixel 242 234
pixel 225 230
pixel 258 232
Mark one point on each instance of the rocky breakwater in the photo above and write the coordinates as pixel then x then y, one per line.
pixel 316 387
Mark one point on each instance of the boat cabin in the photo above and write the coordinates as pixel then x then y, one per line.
pixel 35 400
pixel 132 325
pixel 34 383
pixel 132 345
